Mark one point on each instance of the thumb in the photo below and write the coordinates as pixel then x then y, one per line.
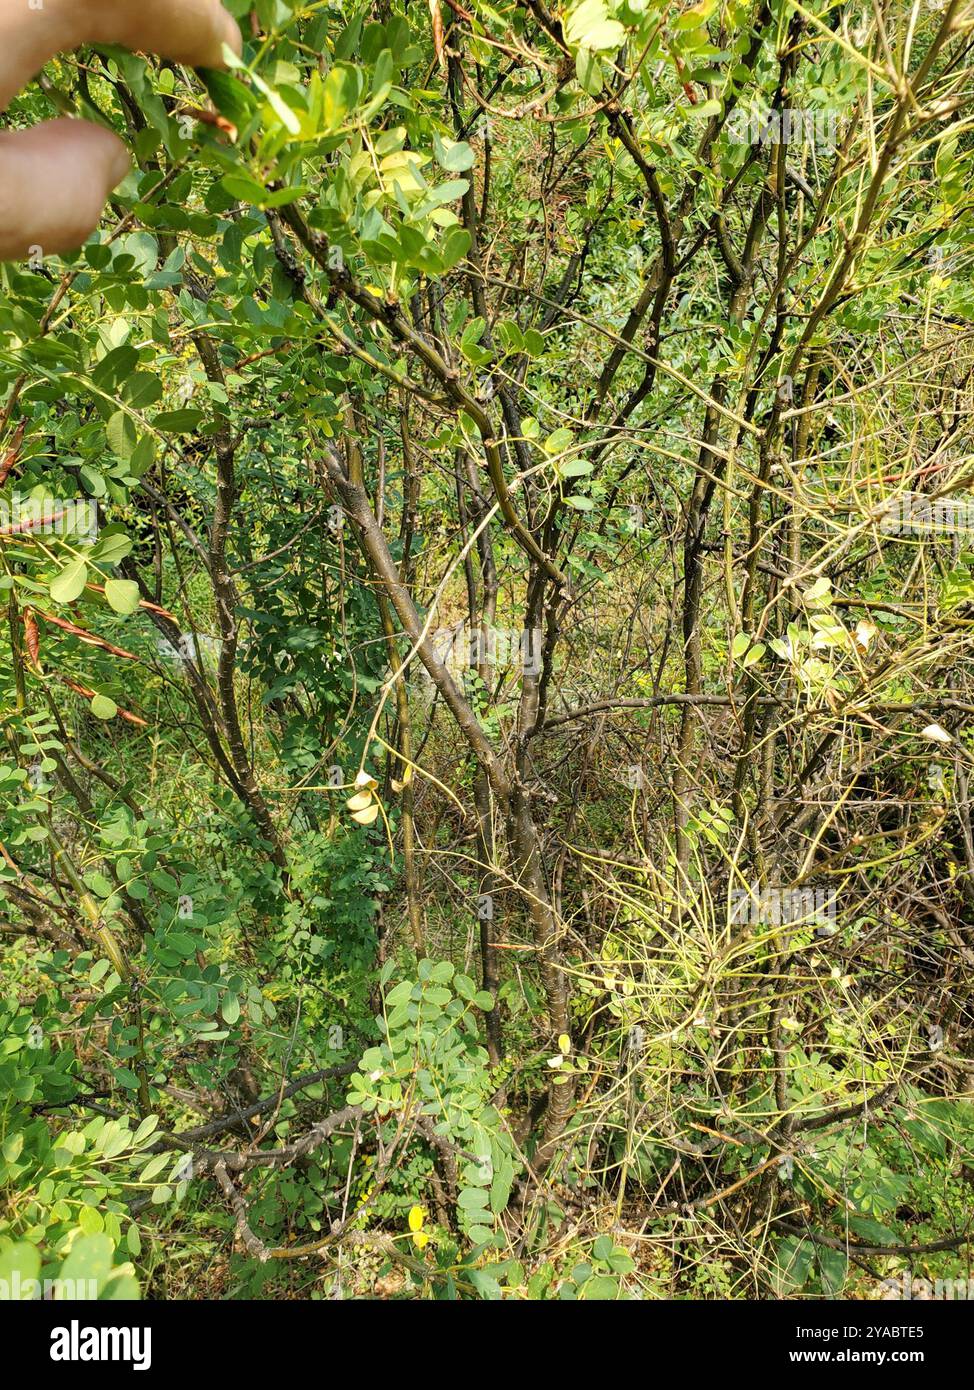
pixel 54 180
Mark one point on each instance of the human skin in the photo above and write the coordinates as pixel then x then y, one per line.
pixel 55 177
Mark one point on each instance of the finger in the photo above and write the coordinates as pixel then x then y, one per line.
pixel 54 180
pixel 187 31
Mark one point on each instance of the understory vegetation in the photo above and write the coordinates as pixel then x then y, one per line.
pixel 486 661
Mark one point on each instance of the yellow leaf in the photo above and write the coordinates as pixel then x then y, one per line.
pixel 359 801
pixel 416 1218
pixel 367 816
pixel 865 632
pixel 420 1239
pixel 565 1043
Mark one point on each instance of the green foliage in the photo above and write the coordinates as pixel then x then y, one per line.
pixel 65 1217
pixel 389 334
pixel 431 1059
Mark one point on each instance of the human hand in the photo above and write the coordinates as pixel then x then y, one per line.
pixel 56 176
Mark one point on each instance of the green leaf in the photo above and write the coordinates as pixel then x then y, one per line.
pixel 871 1232
pixel 280 108
pixel 90 1259
pixel 704 110
pixel 500 1187
pixel 122 595
pixel 485 1284
pixel 70 583
pixel 588 70
pixel 103 708
pixel 122 1288
pixel 154 1167
pixel 177 421
pixel 833 1268
pixel 589 26
pixel 20 1264
pixel 122 435
pixel 558 441
pixel 147 1127
pixel 600 1286
pixel 90 1220
pixel 533 342
pixel 229 95
pixel 12 1146
pixel 112 546
pixel 793 1264
pixel 242 186
pixel 454 156
pixel 339 95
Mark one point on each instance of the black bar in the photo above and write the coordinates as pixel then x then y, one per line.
pixel 719 1340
